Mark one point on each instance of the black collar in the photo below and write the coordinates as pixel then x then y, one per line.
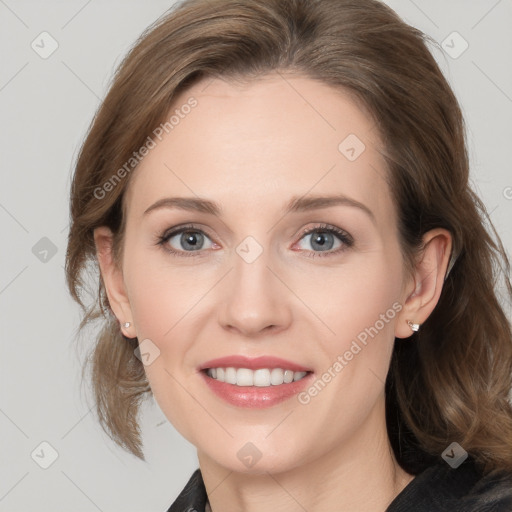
pixel 438 488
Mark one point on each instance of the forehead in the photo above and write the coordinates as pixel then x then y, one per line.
pixel 260 142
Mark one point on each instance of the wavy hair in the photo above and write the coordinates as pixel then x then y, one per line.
pixel 451 381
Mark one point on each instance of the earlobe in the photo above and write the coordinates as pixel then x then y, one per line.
pixel 112 278
pixel 423 294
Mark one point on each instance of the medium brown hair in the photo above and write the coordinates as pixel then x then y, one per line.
pixel 451 381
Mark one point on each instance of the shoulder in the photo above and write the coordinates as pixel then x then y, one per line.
pixel 440 488
pixel 491 493
pixel 192 497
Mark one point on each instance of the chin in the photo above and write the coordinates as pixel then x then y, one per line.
pixel 247 458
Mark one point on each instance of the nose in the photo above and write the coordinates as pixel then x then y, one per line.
pixel 255 300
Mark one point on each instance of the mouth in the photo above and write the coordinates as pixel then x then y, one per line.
pixel 255 383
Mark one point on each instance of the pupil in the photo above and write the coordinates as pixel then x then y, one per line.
pixel 320 241
pixel 190 240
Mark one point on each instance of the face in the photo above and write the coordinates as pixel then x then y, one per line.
pixel 303 284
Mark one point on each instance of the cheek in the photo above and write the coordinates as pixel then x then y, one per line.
pixel 360 309
pixel 354 298
pixel 161 295
pixel 165 303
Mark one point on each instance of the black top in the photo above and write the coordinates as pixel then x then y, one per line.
pixel 438 488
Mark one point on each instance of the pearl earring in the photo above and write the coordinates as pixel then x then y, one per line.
pixel 414 327
pixel 127 324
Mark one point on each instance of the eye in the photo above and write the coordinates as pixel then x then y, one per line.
pixel 191 241
pixel 185 241
pixel 326 239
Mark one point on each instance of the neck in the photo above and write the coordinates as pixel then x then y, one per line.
pixel 359 474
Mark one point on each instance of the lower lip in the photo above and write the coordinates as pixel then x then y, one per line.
pixel 256 397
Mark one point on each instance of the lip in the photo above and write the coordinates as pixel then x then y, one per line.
pixel 254 363
pixel 255 397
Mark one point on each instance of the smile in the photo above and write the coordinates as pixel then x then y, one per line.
pixel 269 386
pixel 261 377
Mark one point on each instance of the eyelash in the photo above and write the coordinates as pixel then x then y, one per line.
pixel 343 236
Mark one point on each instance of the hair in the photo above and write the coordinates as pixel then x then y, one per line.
pixel 450 381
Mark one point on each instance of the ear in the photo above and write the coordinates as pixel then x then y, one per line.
pixel 113 279
pixel 423 291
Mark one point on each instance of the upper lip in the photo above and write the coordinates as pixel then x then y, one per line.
pixel 253 363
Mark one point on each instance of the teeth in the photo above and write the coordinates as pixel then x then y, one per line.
pixel 262 377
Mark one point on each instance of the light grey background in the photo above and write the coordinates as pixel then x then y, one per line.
pixel 46 106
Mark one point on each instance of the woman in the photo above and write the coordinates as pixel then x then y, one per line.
pixel 294 265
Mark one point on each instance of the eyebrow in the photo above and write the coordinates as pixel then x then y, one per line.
pixel 296 204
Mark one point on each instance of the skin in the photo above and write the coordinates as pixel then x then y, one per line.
pixel 250 148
